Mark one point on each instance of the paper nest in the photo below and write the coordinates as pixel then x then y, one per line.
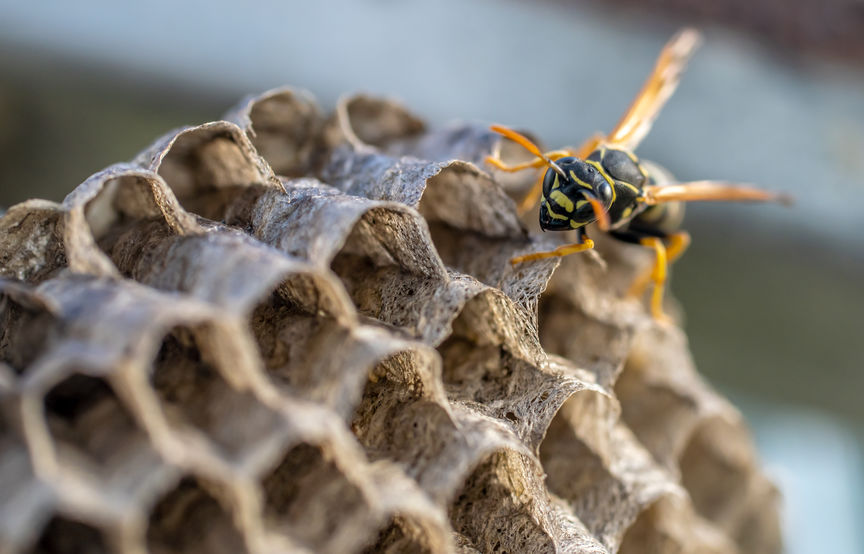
pixel 291 332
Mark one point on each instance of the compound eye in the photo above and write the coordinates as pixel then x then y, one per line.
pixel 604 191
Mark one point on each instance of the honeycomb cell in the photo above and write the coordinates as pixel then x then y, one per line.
pixel 284 126
pixel 190 518
pixel 302 493
pixel 94 431
pixel 379 271
pixel 401 535
pixel 207 167
pixel 398 418
pixel 193 392
pixel 66 536
pixel 491 511
pixel 26 330
pixel 716 480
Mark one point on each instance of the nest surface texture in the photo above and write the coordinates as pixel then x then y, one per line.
pixel 291 331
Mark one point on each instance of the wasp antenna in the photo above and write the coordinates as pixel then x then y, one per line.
pixel 712 191
pixel 525 143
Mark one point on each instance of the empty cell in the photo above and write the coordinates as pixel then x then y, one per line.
pixel 482 373
pixel 578 475
pixel 207 170
pixel 286 126
pixel 384 272
pixel 120 202
pixel 493 511
pixel 659 415
pixel 376 121
pixel 25 333
pixel 190 519
pixel 93 429
pixel 716 480
pixel 309 498
pixel 402 535
pixel 294 343
pixel 396 421
pixel 137 246
pixel 65 536
pixel 193 392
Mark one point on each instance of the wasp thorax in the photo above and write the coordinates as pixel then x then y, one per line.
pixel 567 199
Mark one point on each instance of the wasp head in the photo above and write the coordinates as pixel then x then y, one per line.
pixel 575 196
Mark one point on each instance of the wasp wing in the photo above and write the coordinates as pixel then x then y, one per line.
pixel 710 191
pixel 658 88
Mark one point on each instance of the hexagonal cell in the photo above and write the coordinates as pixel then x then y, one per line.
pixel 715 473
pixel 660 416
pixel 193 392
pixel 573 469
pixel 120 202
pixel 31 247
pixel 397 419
pixel 401 535
pixel 493 512
pixel 94 431
pixel 190 518
pixel 378 121
pixel 565 329
pixel 670 525
pixel 387 267
pixel 479 373
pixel 25 500
pixel 207 169
pixel 285 128
pixel 295 342
pixel 578 474
pixel 495 382
pixel 136 243
pixel 66 536
pixel 25 332
pixel 308 497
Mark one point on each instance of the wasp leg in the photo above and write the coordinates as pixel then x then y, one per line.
pixel 678 243
pixel 659 271
pixel 658 275
pixel 565 250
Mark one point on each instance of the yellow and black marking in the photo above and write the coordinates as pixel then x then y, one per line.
pixel 565 202
pixel 604 181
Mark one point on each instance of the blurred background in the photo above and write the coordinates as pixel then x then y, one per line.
pixel 774 297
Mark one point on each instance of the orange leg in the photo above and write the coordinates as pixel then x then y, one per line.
pixel 657 275
pixel 678 243
pixel 564 250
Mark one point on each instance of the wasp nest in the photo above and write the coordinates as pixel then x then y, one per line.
pixel 292 332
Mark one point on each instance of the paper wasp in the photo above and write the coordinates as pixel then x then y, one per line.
pixel 604 181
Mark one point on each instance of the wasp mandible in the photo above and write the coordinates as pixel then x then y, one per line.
pixel 604 181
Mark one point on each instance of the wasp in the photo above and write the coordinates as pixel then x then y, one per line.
pixel 604 181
